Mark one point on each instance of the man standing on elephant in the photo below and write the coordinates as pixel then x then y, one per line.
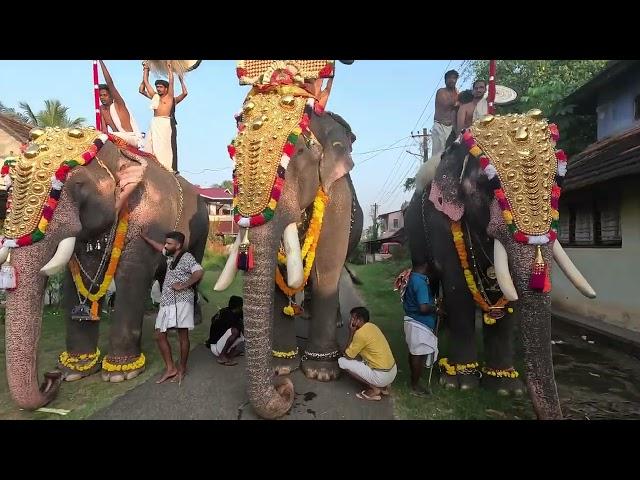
pixel 162 136
pixel 444 116
pixel 177 303
pixel 419 323
pixel 378 368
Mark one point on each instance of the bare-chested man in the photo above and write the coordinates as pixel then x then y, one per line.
pixel 475 109
pixel 161 140
pixel 114 114
pixel 446 103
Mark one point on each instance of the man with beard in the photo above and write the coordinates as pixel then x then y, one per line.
pixel 177 302
pixel 477 108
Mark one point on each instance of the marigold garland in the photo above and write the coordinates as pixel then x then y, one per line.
pixel 457 368
pixel 70 361
pixel 461 249
pixel 308 251
pixel 508 373
pixel 116 251
pixel 290 354
pixel 123 367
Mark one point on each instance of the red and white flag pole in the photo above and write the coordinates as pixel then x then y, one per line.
pixel 491 98
pixel 96 93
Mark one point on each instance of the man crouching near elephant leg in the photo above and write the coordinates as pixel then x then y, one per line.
pixel 378 369
pixel 176 302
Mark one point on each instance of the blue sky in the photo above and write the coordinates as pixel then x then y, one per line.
pixel 383 101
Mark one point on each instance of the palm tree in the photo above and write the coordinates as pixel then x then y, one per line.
pixel 53 115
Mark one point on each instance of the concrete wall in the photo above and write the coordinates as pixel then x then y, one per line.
pixel 614 273
pixel 387 223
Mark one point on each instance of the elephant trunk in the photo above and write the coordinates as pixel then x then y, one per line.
pixel 23 324
pixel 535 329
pixel 268 402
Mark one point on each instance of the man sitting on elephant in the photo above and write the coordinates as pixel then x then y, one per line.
pixel 177 301
pixel 378 368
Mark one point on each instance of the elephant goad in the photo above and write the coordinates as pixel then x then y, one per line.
pixel 484 217
pixel 289 160
pixel 66 190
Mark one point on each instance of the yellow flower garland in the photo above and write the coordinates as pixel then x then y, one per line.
pixel 116 251
pixel 458 240
pixel 70 361
pixel 123 367
pixel 510 373
pixel 457 367
pixel 290 354
pixel 308 251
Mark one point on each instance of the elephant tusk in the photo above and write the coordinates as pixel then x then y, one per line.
pixel 4 254
pixel 571 272
pixel 295 272
pixel 230 268
pixel 501 264
pixel 62 256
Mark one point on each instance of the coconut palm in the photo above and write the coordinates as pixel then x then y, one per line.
pixel 53 115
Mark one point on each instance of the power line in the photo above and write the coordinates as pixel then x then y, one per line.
pixel 207 170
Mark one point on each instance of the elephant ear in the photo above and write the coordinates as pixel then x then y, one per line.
pixel 445 188
pixel 336 159
pixel 130 173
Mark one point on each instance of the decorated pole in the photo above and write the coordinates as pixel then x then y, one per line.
pixel 492 87
pixel 96 93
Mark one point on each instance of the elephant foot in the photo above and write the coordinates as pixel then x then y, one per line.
pixel 117 377
pixel 77 366
pixel 71 375
pixel 469 382
pixel 116 369
pixel 321 370
pixel 450 382
pixel 503 382
pixel 285 366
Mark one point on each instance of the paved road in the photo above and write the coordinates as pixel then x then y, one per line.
pixel 215 392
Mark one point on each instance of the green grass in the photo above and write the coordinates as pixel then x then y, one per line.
pixel 386 310
pixel 91 394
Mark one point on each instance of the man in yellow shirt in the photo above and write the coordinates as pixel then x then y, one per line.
pixel 377 370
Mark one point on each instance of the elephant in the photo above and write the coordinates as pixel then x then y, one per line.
pixel 459 192
pixel 158 201
pixel 320 159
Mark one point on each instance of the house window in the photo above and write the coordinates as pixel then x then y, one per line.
pixel 395 223
pixel 591 220
pixel 636 107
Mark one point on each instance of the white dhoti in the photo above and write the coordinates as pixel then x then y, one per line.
pixel 159 141
pixel 218 347
pixel 420 339
pixel 177 315
pixel 482 109
pixel 134 138
pixel 439 135
pixel 375 377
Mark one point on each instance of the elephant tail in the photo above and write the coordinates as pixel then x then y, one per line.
pixel 354 278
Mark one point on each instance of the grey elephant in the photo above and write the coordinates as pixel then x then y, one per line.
pixel 96 194
pixel 484 218
pixel 317 167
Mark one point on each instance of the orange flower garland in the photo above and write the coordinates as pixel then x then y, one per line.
pixel 308 251
pixel 458 241
pixel 116 251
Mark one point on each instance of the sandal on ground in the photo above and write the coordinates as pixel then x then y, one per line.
pixel 363 396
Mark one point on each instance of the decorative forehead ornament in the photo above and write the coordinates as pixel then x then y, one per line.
pixel 267 72
pixel 517 153
pixel 36 177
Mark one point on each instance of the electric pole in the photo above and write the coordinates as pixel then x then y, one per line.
pixel 425 143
